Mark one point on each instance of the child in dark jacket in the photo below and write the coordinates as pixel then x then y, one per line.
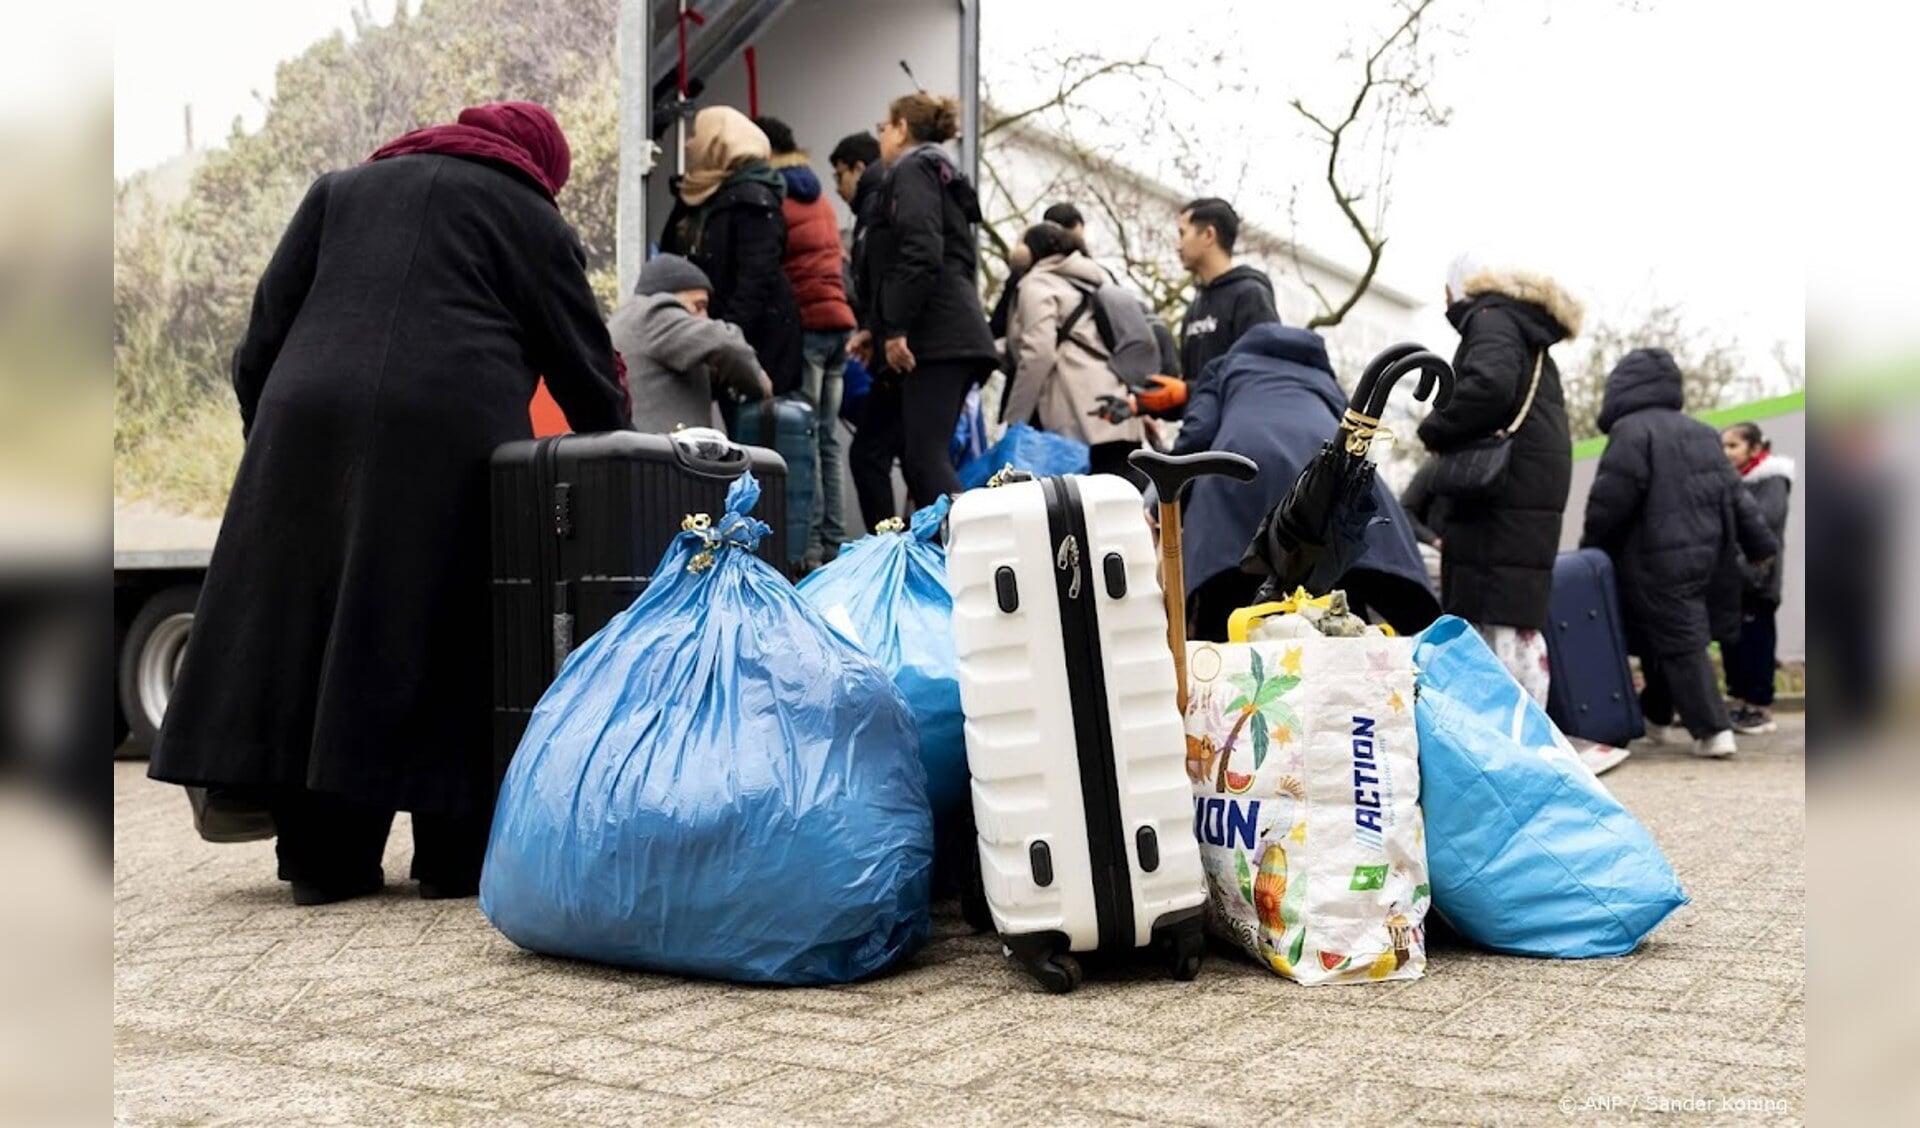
pixel 1750 659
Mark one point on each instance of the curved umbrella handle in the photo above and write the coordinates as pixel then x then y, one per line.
pixel 1363 392
pixel 1436 380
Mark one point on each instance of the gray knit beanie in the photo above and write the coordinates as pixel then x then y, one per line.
pixel 670 274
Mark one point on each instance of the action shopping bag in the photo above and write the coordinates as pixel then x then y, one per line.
pixel 1306 780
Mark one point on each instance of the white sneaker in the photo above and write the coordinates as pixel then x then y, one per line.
pixel 1717 746
pixel 1601 758
pixel 1671 736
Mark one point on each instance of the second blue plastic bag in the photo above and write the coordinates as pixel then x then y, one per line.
pixel 1040 453
pixel 969 432
pixel 890 591
pixel 717 784
pixel 1526 851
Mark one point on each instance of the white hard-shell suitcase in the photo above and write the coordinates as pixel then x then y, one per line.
pixel 1074 740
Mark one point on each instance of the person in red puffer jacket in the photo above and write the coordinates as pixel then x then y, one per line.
pixel 813 265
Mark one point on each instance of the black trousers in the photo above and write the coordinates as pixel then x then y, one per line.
pixel 1683 684
pixel 335 842
pixel 1750 659
pixel 910 417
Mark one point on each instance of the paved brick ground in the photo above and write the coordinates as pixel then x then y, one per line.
pixel 233 1006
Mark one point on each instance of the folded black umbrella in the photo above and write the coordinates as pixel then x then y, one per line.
pixel 1319 529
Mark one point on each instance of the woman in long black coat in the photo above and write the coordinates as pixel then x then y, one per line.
pixel 726 220
pixel 1496 559
pixel 339 667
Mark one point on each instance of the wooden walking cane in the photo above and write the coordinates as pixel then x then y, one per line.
pixel 1170 474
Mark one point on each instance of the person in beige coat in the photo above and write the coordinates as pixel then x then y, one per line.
pixel 1063 379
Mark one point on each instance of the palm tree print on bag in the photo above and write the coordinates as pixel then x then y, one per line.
pixel 1261 700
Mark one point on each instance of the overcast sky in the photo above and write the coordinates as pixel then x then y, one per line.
pixel 1639 152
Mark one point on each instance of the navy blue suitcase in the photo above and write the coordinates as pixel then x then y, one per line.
pixel 786 424
pixel 1591 695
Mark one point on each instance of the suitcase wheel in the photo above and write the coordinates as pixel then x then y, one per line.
pixel 1044 956
pixel 1059 973
pixel 1183 946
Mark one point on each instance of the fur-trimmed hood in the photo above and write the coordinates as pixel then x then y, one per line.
pixel 1772 466
pixel 1525 286
pixel 796 168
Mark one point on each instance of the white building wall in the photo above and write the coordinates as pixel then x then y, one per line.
pixel 1031 171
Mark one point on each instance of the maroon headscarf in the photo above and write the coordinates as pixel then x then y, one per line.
pixel 522 134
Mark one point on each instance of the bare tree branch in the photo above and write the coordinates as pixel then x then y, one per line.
pixel 1407 87
pixel 1068 89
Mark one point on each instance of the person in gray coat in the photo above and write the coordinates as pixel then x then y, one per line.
pixel 678 357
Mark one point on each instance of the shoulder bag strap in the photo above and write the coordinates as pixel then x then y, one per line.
pixel 1539 362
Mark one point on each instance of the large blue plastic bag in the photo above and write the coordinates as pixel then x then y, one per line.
pixel 1040 453
pixel 1527 852
pixel 889 590
pixel 717 784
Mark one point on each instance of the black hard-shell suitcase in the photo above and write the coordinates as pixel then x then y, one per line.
pixel 579 523
pixel 1591 693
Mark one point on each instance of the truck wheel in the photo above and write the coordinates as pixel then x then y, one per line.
pixel 150 659
pixel 121 729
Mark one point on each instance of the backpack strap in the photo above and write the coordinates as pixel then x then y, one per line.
pixel 1067 324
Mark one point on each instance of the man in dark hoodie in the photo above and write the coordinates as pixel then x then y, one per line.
pixel 857 175
pixel 1228 300
pixel 1670 511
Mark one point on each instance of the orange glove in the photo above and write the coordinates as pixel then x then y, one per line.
pixel 1168 393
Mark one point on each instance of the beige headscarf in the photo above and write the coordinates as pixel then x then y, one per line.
pixel 723 140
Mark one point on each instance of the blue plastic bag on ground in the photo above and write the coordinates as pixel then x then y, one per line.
pixel 1040 453
pixel 1526 851
pixel 717 784
pixel 889 590
pixel 969 432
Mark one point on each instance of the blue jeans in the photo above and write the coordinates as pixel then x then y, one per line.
pixel 825 357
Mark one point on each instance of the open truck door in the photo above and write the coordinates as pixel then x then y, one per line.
pixel 827 68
